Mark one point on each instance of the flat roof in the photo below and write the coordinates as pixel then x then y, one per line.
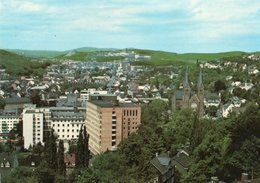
pixel 109 104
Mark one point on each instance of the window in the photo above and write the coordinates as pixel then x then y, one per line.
pixel 63 125
pixel 68 125
pixel 113 143
pixel 68 130
pixel 62 130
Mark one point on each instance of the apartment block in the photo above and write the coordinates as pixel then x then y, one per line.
pixel 7 123
pixel 65 121
pixel 109 122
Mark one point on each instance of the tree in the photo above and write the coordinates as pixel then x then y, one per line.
pixel 87 152
pixel 212 111
pixel 38 149
pixel 51 151
pixel 220 85
pixel 60 159
pixel 82 151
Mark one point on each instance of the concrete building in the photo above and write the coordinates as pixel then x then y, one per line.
pixel 7 123
pixel 32 127
pixel 109 122
pixel 65 121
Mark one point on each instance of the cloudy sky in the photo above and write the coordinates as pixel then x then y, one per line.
pixel 172 25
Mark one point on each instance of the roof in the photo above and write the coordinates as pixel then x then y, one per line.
pixel 109 104
pixel 162 162
pixel 9 157
pixel 212 96
pixel 69 159
pixel 17 100
pixel 181 160
pixel 179 94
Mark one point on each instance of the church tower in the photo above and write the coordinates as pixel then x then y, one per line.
pixel 200 94
pixel 186 90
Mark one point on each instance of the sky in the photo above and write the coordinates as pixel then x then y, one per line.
pixel 174 25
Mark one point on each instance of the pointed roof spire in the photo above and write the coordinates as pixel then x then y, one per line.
pixel 186 79
pixel 200 82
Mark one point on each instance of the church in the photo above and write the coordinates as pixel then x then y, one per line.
pixel 186 98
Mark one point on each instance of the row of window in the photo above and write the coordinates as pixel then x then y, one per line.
pixel 131 112
pixel 68 136
pixel 58 130
pixel 58 125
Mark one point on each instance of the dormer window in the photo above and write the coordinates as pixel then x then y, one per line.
pixel 7 164
pixel 2 164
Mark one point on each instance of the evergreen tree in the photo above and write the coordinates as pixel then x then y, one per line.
pixel 82 151
pixel 87 152
pixel 60 159
pixel 80 154
pixel 51 151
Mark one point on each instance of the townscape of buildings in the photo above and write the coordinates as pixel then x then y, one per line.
pixel 106 98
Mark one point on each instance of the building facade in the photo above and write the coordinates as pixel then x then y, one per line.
pixel 8 123
pixel 36 123
pixel 65 121
pixel 109 122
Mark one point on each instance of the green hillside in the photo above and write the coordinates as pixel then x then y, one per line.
pixel 168 58
pixel 20 65
pixel 37 53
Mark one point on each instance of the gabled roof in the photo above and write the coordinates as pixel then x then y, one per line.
pixel 162 162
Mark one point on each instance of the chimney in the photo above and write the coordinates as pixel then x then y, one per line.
pixel 214 180
pixel 156 154
pixel 244 177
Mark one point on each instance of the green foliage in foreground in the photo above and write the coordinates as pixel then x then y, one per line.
pixel 223 148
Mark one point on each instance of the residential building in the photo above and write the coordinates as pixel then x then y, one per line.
pixel 36 122
pixel 7 123
pixel 65 121
pixel 109 122
pixel 166 166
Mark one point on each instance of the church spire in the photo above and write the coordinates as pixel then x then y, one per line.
pixel 186 79
pixel 200 82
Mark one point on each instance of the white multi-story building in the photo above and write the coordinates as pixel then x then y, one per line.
pixel 65 121
pixel 7 123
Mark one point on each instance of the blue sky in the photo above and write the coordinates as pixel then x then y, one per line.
pixel 173 25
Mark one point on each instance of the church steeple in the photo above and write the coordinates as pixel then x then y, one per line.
pixel 200 94
pixel 200 82
pixel 186 79
pixel 186 89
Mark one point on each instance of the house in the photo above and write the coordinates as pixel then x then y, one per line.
pixel 227 109
pixel 8 161
pixel 212 99
pixel 167 166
